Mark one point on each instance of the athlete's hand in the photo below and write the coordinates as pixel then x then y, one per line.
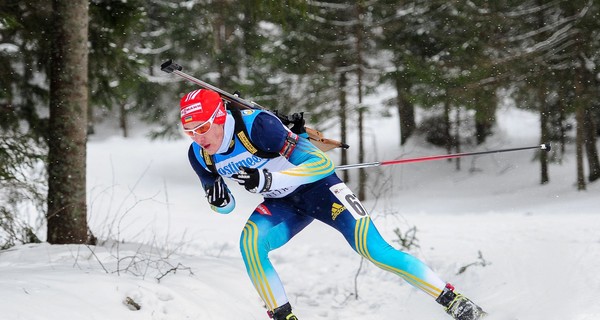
pixel 218 195
pixel 254 180
pixel 297 119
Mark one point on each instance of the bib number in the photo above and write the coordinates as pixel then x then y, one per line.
pixel 349 200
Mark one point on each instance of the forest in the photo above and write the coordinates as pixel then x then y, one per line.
pixel 66 66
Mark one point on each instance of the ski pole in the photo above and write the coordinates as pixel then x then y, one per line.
pixel 318 139
pixel 545 147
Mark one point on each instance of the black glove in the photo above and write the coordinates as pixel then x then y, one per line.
pixel 297 120
pixel 254 180
pixel 218 195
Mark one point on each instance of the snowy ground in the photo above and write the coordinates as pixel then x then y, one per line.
pixel 540 244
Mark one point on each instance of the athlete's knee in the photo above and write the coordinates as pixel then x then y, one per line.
pixel 376 250
pixel 252 242
pixel 370 244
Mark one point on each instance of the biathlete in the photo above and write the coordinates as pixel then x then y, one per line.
pixel 298 184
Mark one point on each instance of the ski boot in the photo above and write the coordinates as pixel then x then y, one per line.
pixel 459 306
pixel 283 312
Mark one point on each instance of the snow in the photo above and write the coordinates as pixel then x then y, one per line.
pixel 8 47
pixel 540 244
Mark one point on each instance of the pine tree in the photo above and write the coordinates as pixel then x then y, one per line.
pixel 115 74
pixel 555 41
pixel 22 129
pixel 327 48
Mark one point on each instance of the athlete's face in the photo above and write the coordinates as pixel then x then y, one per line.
pixel 211 140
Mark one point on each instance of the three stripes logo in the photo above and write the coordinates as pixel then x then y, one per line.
pixel 336 209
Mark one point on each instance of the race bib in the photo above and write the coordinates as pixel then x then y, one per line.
pixel 349 200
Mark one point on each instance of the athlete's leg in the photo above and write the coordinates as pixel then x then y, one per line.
pixel 368 242
pixel 272 224
pixel 349 217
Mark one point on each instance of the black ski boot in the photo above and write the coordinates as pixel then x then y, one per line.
pixel 459 306
pixel 283 312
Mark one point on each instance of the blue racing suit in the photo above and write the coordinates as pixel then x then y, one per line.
pixel 304 188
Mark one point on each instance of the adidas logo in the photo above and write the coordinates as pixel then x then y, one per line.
pixel 336 209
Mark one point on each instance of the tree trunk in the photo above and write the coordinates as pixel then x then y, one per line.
pixel 590 145
pixel 358 31
pixel 543 134
pixel 580 135
pixel 544 108
pixel 218 28
pixel 448 126
pixel 123 118
pixel 67 211
pixel 406 113
pixel 362 174
pixel 343 128
pixel 457 137
pixel 484 120
pixel 91 123
pixel 562 117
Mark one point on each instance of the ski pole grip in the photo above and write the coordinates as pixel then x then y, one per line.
pixel 170 66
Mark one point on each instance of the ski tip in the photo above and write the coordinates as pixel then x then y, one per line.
pixel 546 147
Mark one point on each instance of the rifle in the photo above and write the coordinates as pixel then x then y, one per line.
pixel 315 136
